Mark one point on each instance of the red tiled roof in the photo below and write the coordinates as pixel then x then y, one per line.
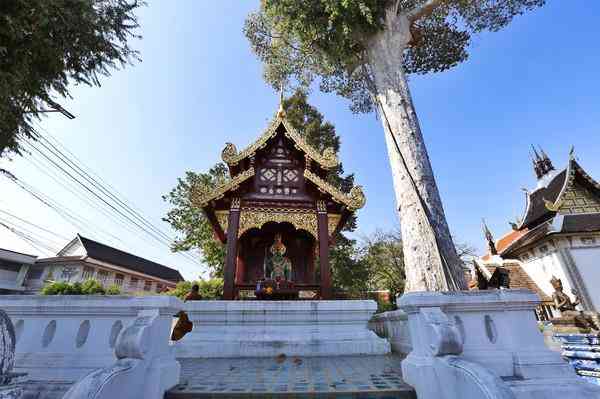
pixel 506 240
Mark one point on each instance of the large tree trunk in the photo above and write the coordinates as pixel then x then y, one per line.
pixel 430 256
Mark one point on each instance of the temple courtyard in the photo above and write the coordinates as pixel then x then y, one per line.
pixel 293 377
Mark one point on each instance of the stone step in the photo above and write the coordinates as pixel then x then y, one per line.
pixel 292 377
pixel 392 394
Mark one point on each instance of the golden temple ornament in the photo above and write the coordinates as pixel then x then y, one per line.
pixel 354 200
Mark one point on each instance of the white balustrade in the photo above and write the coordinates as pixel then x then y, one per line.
pixel 65 337
pixel 393 326
pixel 483 344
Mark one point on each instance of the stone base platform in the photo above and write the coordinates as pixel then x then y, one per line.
pixel 293 377
pixel 232 329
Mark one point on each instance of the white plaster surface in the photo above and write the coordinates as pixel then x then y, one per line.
pixel 271 328
pixel 393 326
pixel 483 344
pixel 66 337
pixel 587 261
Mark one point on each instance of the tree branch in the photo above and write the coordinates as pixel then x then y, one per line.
pixel 424 10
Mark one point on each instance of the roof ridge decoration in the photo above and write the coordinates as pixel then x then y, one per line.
pixel 202 198
pixel 231 156
pixel 572 168
pixel 354 200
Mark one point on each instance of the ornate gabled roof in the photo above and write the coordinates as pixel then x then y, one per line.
pixel 545 202
pixel 327 160
pixel 354 200
pixel 202 198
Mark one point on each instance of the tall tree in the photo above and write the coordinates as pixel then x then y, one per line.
pixel 194 228
pixel 47 45
pixel 363 50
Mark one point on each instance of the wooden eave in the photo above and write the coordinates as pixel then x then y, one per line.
pixel 220 234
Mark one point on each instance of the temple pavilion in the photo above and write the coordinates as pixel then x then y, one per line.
pixel 278 214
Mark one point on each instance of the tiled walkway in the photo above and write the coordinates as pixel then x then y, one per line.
pixel 298 377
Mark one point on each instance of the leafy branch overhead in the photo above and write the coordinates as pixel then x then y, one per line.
pixel 328 39
pixel 46 46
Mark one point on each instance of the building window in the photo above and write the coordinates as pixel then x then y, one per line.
pixel 147 285
pixel 588 240
pixel 119 279
pixel 34 273
pixel 133 283
pixel 88 273
pixel 68 272
pixel 102 276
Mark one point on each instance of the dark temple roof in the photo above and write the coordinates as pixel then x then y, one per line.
pixel 586 222
pixel 536 210
pixel 114 256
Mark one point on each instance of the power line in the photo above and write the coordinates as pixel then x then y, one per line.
pixel 32 233
pixel 40 246
pixel 123 204
pixel 95 189
pixel 35 225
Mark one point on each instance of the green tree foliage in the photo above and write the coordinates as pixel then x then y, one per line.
pixel 350 271
pixel 209 289
pixel 194 228
pixel 382 253
pixel 299 41
pixel 47 45
pixel 190 222
pixel 88 287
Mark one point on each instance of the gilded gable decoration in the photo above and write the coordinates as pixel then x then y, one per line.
pixel 354 200
pixel 229 152
pixel 203 198
pixel 327 160
pixel 301 219
pixel 223 219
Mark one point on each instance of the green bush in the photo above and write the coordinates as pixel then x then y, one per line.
pixel 209 289
pixel 113 290
pixel 55 288
pixel 88 287
pixel 385 306
pixel 92 287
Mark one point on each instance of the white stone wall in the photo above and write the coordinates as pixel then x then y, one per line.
pixel 587 260
pixel 271 328
pixel 574 259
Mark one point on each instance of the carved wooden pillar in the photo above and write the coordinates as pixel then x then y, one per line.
pixel 324 250
pixel 231 256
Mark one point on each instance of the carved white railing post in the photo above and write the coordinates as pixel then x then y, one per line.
pixel 484 345
pixel 145 366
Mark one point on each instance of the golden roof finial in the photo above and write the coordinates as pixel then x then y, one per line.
pixel 281 112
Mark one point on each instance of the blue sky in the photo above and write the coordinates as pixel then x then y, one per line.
pixel 199 86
